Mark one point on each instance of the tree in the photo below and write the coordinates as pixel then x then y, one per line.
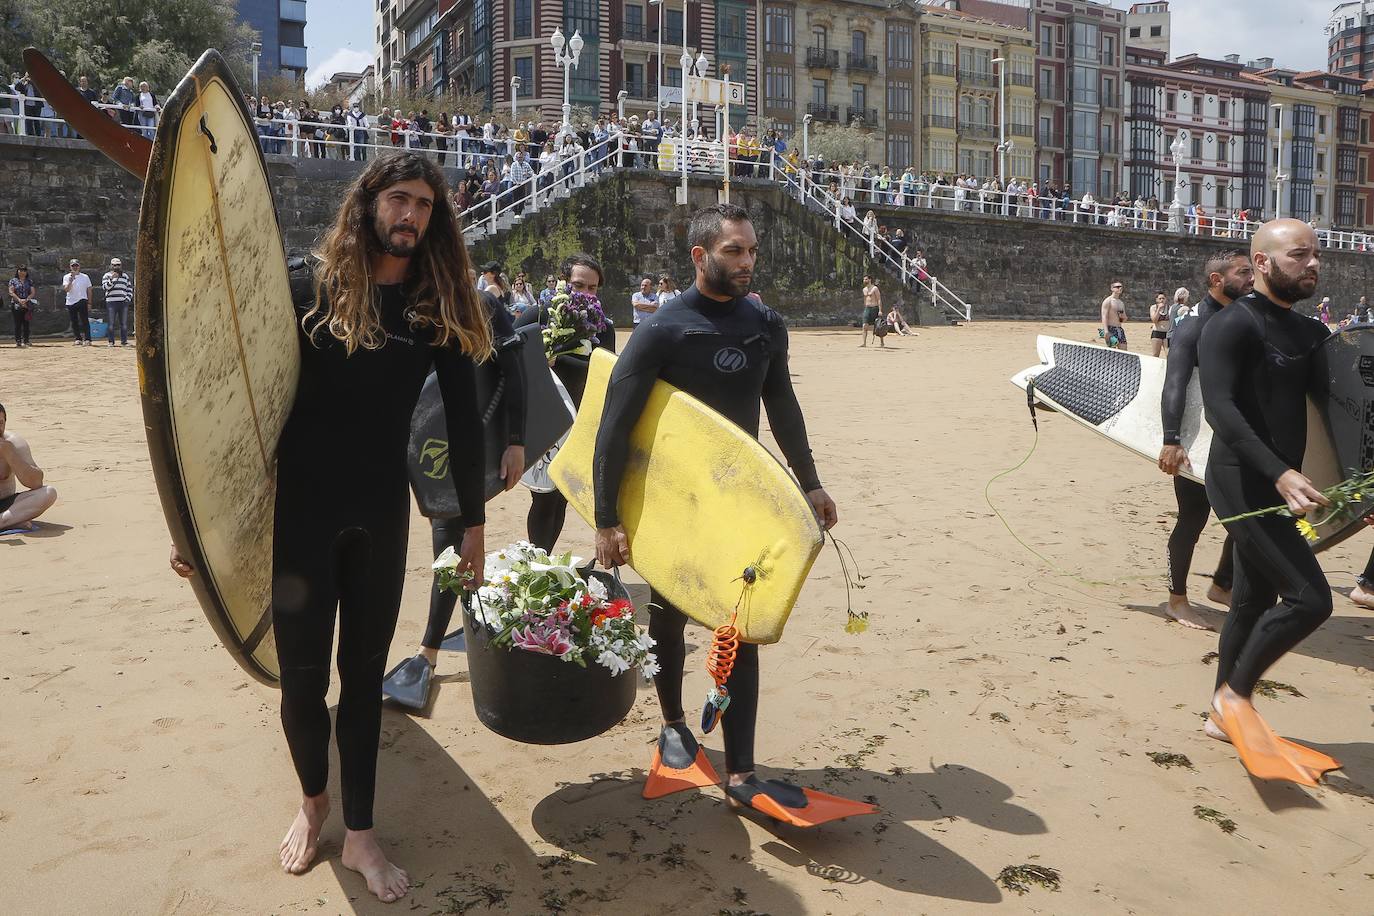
pixel 107 40
pixel 844 144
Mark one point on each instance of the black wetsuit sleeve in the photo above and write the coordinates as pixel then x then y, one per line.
pixel 467 464
pixel 632 380
pixel 785 414
pixel 1178 371
pixel 1229 345
pixel 512 371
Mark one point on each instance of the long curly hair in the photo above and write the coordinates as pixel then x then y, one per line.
pixel 437 284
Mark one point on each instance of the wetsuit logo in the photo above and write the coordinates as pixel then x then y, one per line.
pixel 1367 370
pixel 730 359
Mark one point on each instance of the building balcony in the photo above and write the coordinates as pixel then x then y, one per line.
pixel 732 44
pixel 977 78
pixel 822 58
pixel 862 62
pixel 977 131
pixel 823 112
pixel 941 121
pixel 938 69
pixel 868 115
pixel 636 31
pixel 293 58
pixel 1018 129
pixel 1051 92
pixel 1022 79
pixel 293 10
pixel 1050 139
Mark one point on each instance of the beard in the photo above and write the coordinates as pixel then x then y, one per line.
pixel 1233 290
pixel 1288 288
pixel 719 280
pixel 398 241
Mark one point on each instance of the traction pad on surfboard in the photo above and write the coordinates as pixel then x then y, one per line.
pixel 1093 382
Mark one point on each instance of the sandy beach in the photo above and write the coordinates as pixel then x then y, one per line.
pixel 999 712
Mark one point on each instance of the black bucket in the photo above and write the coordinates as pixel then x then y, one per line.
pixel 538 699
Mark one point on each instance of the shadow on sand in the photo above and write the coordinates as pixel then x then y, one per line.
pixel 698 853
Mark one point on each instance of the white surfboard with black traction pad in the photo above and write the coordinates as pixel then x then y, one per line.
pixel 1116 394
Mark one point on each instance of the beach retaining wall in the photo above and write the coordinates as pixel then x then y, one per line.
pixel 62 199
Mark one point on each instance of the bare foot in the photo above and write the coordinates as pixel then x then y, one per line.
pixel 1361 596
pixel 299 845
pixel 1218 595
pixel 1180 610
pixel 363 854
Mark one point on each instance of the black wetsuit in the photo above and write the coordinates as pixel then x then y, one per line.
pixel 731 355
pixel 448 532
pixel 1193 505
pixel 1366 578
pixel 341 522
pixel 1259 361
pixel 548 511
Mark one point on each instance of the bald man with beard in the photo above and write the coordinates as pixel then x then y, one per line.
pixel 1259 360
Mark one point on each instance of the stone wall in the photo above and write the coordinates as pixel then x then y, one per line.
pixel 62 199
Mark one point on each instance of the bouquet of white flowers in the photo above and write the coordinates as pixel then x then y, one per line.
pixel 542 604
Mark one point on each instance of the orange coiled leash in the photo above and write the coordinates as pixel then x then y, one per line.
pixel 720 660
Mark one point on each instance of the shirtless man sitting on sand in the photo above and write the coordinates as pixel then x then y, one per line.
pixel 19 508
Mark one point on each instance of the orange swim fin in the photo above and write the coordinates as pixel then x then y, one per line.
pixel 1259 761
pixel 794 805
pixel 679 763
pixel 1308 758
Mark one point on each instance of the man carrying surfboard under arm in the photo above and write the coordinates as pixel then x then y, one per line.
pixel 1229 276
pixel 390 298
pixel 718 346
pixel 1259 360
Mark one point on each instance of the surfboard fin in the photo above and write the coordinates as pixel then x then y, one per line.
pixel 794 805
pixel 408 683
pixel 679 763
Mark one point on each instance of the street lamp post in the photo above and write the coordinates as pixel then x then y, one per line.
pixel 515 82
pixel 684 138
pixel 256 50
pixel 620 103
pixel 1176 208
pixel 659 104
pixel 806 140
pixel 1001 63
pixel 1279 175
pixel 395 80
pixel 567 60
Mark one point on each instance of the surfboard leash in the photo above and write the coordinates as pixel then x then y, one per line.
pixel 720 658
pixel 987 497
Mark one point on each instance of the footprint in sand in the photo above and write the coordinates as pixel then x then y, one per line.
pixel 167 722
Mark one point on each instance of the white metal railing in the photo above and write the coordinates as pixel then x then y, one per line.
pixel 941 296
pixel 355 142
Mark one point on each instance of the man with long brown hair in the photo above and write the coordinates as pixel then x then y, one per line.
pixel 389 299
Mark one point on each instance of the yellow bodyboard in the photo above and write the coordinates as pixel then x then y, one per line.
pixel 701 500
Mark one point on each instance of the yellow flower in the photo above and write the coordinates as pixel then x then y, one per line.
pixel 1306 530
pixel 857 624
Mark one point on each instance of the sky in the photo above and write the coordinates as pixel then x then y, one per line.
pixel 339 33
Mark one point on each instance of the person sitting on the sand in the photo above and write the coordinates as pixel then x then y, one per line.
pixel 19 508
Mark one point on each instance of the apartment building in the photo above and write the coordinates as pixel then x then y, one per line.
pixel 1350 39
pixel 847 62
pixel 1301 137
pixel 967 61
pixel 1080 73
pixel 499 50
pixel 281 28
pixel 1220 117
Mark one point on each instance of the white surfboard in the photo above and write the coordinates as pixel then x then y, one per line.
pixel 1116 394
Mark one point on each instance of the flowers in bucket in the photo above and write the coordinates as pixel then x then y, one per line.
pixel 575 320
pixel 1347 500
pixel 541 604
